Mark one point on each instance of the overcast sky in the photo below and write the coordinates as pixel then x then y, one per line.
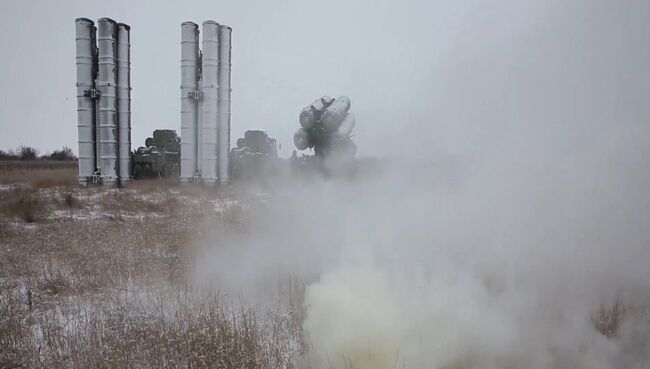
pixel 424 76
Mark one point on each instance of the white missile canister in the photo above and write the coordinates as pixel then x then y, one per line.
pixel 124 102
pixel 190 97
pixel 85 45
pixel 108 118
pixel 334 114
pixel 223 132
pixel 313 112
pixel 301 139
pixel 210 103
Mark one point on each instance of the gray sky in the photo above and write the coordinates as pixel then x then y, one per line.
pixel 424 77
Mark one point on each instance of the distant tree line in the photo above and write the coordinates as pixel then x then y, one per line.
pixel 30 153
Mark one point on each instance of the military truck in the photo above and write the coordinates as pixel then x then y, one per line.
pixel 255 157
pixel 159 158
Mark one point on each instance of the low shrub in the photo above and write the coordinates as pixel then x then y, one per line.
pixel 25 204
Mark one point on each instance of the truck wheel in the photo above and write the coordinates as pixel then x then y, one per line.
pixel 137 171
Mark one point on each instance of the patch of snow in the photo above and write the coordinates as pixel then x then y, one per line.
pixel 223 205
pixel 7 187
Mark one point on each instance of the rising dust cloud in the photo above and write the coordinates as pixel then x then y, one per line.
pixel 495 254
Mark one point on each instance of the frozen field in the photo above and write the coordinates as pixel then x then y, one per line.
pixel 103 278
pixel 326 274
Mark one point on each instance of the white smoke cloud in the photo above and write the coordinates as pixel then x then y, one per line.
pixel 504 268
pixel 516 204
pixel 495 262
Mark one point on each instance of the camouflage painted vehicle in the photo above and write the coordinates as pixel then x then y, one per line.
pixel 160 158
pixel 255 157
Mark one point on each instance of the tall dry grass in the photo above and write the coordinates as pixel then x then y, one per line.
pixel 166 330
pixel 39 173
pixel 117 292
pixel 110 285
pixel 23 203
pixel 609 317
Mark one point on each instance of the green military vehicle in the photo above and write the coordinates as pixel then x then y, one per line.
pixel 160 158
pixel 255 157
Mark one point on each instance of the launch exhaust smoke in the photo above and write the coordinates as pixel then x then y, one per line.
pixel 346 126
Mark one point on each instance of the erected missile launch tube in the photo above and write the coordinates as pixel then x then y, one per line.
pixel 334 114
pixel 189 100
pixel 85 45
pixel 209 105
pixel 307 117
pixel 224 103
pixel 106 81
pixel 124 101
pixel 347 125
pixel 312 113
pixel 301 139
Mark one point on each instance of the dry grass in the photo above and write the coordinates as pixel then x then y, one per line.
pixel 115 291
pixel 23 203
pixel 154 184
pixel 609 318
pixel 162 331
pixel 70 200
pixel 120 202
pixel 30 165
pixel 39 174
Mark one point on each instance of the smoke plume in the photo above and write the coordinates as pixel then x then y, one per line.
pixel 512 216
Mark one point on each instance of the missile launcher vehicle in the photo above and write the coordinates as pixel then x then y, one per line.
pixel 326 127
pixel 159 158
pixel 255 157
